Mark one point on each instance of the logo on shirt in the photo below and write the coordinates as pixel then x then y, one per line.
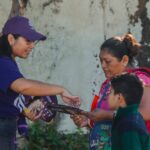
pixel 19 102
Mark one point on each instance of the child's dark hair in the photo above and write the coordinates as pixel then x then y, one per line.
pixel 129 86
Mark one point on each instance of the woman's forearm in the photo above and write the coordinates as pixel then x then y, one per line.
pixel 35 88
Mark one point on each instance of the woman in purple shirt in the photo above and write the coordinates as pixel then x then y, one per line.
pixel 17 40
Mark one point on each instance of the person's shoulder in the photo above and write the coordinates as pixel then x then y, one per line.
pixel 107 81
pixel 4 59
pixel 132 122
pixel 139 70
pixel 8 65
pixel 142 73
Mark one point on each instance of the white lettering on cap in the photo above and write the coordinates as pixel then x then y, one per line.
pixel 31 25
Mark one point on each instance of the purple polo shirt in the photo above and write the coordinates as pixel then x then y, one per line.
pixel 9 72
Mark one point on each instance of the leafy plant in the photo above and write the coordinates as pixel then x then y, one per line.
pixel 46 137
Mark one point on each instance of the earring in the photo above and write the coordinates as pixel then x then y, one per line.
pixel 12 43
pixel 124 64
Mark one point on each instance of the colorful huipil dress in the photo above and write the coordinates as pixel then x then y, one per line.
pixel 100 137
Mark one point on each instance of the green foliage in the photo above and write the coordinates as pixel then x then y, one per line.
pixel 46 137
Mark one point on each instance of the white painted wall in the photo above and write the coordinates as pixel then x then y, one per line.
pixel 75 30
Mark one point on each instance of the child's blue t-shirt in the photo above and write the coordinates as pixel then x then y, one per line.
pixel 9 100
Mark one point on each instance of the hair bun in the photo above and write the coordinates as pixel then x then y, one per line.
pixel 131 44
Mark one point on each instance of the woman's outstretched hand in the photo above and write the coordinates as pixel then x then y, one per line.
pixel 69 99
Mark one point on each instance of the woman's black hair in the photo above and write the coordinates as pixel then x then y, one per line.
pixel 5 48
pixel 120 46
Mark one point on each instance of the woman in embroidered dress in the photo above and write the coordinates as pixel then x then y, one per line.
pixel 116 57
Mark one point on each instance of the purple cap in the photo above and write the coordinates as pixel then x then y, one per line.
pixel 22 26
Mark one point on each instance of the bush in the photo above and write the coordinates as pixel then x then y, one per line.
pixel 46 137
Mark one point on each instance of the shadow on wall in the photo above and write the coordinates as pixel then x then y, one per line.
pixel 19 6
pixel 144 56
pixel 141 14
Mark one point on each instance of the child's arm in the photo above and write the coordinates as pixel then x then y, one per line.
pixel 99 115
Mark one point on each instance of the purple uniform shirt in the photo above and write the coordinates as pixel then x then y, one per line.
pixel 10 101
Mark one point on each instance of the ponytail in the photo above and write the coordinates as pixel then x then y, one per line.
pixel 131 44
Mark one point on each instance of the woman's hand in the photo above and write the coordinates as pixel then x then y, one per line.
pixel 79 120
pixel 32 114
pixel 70 99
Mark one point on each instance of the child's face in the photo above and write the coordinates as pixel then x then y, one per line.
pixel 113 100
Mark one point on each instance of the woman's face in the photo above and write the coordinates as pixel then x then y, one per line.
pixel 21 47
pixel 111 65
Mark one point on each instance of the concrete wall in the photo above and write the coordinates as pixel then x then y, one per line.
pixel 75 30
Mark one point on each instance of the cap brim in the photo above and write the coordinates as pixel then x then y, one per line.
pixel 34 36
